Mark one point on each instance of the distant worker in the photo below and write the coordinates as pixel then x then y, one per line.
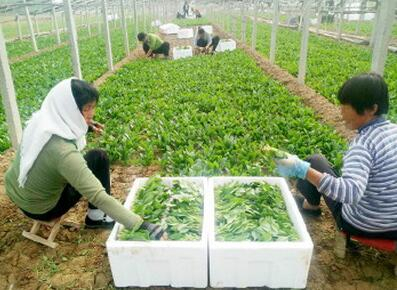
pixel 197 13
pixel 185 9
pixel 204 42
pixel 152 44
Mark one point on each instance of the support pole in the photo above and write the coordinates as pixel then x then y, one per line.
pixel 273 38
pixel 73 39
pixel 243 23
pixel 37 25
pixel 253 37
pixel 30 24
pixel 87 19
pixel 135 19
pixel 8 92
pixel 383 30
pixel 19 27
pixel 107 36
pixel 304 42
pixel 58 37
pixel 125 32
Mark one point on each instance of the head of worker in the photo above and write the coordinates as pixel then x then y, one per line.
pixel 362 99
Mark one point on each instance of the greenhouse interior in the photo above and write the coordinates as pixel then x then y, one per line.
pixel 198 144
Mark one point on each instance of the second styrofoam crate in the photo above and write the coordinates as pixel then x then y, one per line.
pixel 276 264
pixel 160 263
pixel 207 28
pixel 182 52
pixel 226 44
pixel 185 33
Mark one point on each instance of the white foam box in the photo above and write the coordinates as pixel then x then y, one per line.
pixel 160 263
pixel 182 52
pixel 226 44
pixel 274 264
pixel 185 33
pixel 207 28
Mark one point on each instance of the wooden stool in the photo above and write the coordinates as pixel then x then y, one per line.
pixel 32 234
pixel 342 239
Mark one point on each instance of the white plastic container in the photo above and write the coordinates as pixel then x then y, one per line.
pixel 258 264
pixel 185 33
pixel 226 44
pixel 169 28
pixel 207 28
pixel 182 52
pixel 160 263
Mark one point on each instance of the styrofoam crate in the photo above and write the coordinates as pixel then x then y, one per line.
pixel 255 264
pixel 226 44
pixel 160 263
pixel 207 28
pixel 185 33
pixel 182 51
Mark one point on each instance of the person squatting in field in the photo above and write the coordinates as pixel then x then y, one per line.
pixel 50 174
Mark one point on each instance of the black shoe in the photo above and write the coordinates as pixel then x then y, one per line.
pixel 308 212
pixel 99 224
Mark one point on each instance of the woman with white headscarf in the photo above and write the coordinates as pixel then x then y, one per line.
pixel 49 174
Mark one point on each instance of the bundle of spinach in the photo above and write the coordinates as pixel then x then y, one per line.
pixel 252 212
pixel 177 208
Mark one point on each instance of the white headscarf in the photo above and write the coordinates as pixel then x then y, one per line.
pixel 58 115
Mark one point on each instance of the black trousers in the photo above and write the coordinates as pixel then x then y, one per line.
pixel 163 49
pixel 203 43
pixel 313 196
pixel 98 163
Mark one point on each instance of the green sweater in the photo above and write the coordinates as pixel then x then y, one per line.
pixel 153 41
pixel 57 164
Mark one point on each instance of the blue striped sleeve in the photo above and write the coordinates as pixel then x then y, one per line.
pixel 350 187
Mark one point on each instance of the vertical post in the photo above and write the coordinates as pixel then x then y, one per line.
pixel 135 19
pixel 375 26
pixel 30 24
pixel 273 38
pixel 319 16
pixel 304 42
pixel 19 27
pixel 58 37
pixel 87 19
pixel 73 39
pixel 8 92
pixel 125 32
pixel 144 16
pixel 340 22
pixel 243 23
pixel 363 6
pixel 98 21
pixel 37 25
pixel 164 12
pixel 107 36
pixel 383 30
pixel 253 37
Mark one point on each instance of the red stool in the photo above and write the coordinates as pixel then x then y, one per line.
pixel 342 239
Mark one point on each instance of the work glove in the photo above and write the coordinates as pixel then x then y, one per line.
pixel 292 166
pixel 155 231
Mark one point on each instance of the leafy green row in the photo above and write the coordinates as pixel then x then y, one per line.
pixel 253 211
pixel 330 62
pixel 34 77
pixel 207 115
pixel 177 208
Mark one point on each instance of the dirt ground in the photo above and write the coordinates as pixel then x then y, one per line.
pixel 80 261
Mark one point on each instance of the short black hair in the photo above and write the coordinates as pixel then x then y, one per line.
pixel 83 93
pixel 201 30
pixel 141 36
pixel 364 91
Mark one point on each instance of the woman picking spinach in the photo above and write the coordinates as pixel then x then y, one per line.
pixel 49 174
pixel 363 200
